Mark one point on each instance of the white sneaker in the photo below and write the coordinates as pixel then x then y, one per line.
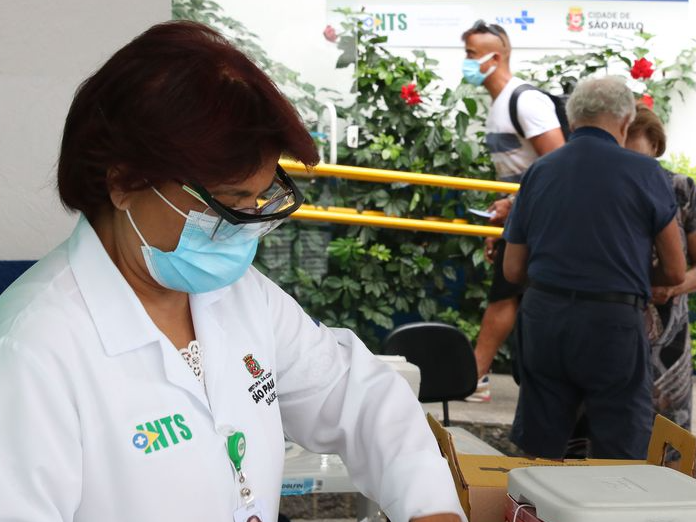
pixel 483 391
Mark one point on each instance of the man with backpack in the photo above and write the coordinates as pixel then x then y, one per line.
pixel 523 124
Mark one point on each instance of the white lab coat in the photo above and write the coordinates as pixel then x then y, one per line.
pixel 83 369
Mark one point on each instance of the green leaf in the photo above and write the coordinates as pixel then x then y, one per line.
pixel 465 151
pixel 448 99
pixel 414 201
pixel 466 246
pixel 349 55
pixel 462 124
pixel 434 139
pixel 402 304
pixel 471 106
pixel 396 207
pixel 441 158
pixel 427 308
pixel 380 252
pixel 333 282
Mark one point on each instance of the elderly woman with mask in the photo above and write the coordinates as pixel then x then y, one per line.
pixel 147 371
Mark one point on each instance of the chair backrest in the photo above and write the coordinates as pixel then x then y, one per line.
pixel 443 354
pixel 11 270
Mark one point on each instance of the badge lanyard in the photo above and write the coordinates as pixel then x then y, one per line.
pixel 236 449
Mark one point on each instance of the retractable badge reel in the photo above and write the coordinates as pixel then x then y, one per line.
pixel 251 510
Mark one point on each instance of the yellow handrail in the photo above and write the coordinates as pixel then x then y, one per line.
pixel 350 216
pixel 396 176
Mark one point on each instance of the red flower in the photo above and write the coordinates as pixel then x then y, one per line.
pixel 648 101
pixel 330 34
pixel 642 69
pixel 414 100
pixel 408 90
pixel 410 95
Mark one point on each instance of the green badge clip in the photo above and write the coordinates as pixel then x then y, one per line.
pixel 236 448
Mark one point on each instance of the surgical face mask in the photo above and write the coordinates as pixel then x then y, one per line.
pixel 200 264
pixel 471 69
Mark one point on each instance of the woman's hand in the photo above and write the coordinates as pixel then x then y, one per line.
pixel 489 248
pixel 662 294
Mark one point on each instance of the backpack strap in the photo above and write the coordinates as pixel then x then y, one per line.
pixel 513 106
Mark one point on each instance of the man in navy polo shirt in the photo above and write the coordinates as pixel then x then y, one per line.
pixel 581 233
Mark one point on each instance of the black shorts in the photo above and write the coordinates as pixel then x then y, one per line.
pixel 501 288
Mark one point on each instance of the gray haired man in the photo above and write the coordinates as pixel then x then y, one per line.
pixel 581 233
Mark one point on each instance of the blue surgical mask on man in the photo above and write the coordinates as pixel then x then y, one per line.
pixel 471 69
pixel 200 264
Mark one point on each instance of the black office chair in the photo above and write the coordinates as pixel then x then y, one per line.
pixel 11 270
pixel 445 358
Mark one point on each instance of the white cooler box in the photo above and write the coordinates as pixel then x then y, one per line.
pixel 408 371
pixel 640 493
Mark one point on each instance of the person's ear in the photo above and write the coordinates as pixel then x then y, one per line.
pixel 623 131
pixel 493 61
pixel 120 198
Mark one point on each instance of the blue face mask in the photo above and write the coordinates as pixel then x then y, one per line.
pixel 199 264
pixel 471 70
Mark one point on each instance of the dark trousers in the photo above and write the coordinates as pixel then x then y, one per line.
pixel 575 351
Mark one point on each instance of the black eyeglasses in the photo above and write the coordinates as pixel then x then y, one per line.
pixel 282 199
pixel 480 26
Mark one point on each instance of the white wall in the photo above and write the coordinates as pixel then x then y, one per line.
pixel 291 32
pixel 46 49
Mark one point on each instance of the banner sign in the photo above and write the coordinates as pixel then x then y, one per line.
pixel 530 24
pixel 413 25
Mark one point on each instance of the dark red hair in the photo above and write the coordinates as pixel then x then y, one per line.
pixel 178 102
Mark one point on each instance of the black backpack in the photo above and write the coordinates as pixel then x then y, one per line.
pixel 559 102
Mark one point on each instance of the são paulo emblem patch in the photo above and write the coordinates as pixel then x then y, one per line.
pixel 263 388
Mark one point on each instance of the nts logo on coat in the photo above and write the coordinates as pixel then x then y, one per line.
pixel 160 433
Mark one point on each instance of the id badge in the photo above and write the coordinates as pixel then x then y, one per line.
pixel 252 512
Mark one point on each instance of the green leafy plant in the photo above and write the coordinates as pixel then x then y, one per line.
pixel 407 121
pixel 656 82
pixel 680 164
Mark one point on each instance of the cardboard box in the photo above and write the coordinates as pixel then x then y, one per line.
pixel 516 512
pixel 481 480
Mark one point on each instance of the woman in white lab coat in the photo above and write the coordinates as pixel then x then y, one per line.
pixel 147 372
